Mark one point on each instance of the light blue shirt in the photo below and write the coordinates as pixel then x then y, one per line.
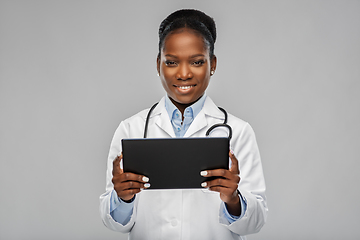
pixel 122 211
pixel 180 126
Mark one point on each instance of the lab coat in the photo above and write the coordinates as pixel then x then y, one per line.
pixel 190 213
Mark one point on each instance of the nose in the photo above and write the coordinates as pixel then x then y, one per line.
pixel 184 72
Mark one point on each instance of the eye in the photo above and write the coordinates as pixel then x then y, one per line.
pixel 198 63
pixel 170 63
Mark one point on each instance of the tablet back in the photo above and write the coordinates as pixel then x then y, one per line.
pixel 175 162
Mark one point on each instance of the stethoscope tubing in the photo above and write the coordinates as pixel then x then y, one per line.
pixel 224 124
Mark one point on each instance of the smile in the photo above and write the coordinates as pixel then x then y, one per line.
pixel 185 87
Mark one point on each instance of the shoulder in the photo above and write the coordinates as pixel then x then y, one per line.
pixel 236 122
pixel 241 129
pixel 243 133
pixel 211 109
pixel 132 127
pixel 141 116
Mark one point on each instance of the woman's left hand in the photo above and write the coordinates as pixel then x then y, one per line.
pixel 226 185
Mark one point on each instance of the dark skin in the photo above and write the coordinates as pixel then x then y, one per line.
pixel 227 187
pixel 185 69
pixel 126 184
pixel 184 62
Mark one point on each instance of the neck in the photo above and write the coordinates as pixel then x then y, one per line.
pixel 182 106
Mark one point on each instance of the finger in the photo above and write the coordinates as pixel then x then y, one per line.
pixel 224 173
pixel 228 192
pixel 216 172
pixel 126 190
pixel 220 182
pixel 128 194
pixel 116 165
pixel 128 176
pixel 234 163
pixel 132 185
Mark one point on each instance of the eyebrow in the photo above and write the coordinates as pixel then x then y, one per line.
pixel 197 55
pixel 170 55
pixel 192 56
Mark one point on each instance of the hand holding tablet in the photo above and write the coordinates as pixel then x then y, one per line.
pixel 127 184
pixel 172 163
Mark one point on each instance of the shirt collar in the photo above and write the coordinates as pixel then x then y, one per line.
pixel 195 108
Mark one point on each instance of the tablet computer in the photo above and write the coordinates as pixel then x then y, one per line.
pixel 172 163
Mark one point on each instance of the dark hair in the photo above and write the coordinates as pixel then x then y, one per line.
pixel 192 19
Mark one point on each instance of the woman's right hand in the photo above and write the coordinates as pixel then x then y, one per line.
pixel 127 184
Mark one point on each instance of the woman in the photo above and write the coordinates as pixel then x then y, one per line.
pixel 226 208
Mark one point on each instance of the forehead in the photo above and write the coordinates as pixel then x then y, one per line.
pixel 184 42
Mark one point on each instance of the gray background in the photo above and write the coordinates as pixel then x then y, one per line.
pixel 70 71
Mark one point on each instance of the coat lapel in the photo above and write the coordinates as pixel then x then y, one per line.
pixel 163 121
pixel 201 121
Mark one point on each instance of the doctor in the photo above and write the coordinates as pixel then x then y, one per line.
pixel 227 208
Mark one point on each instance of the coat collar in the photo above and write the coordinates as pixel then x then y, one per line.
pixel 209 109
pixel 163 120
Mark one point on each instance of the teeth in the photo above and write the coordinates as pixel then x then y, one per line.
pixel 184 87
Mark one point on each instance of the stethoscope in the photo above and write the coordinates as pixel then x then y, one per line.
pixel 207 132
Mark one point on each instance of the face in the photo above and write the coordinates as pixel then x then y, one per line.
pixel 184 67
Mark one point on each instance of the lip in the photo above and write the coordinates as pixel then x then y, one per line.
pixel 184 89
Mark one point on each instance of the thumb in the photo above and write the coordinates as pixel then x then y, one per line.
pixel 234 163
pixel 116 165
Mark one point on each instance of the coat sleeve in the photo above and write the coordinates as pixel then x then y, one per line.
pixel 115 148
pixel 252 183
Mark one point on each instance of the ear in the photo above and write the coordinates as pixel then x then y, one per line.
pixel 213 62
pixel 158 64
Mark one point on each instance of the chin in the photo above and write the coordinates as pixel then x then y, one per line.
pixel 186 100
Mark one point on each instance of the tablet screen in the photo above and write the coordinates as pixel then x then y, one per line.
pixel 172 163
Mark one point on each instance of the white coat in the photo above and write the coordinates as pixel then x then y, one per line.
pixel 190 214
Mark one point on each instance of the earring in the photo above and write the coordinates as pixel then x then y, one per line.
pixel 212 72
pixel 158 74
